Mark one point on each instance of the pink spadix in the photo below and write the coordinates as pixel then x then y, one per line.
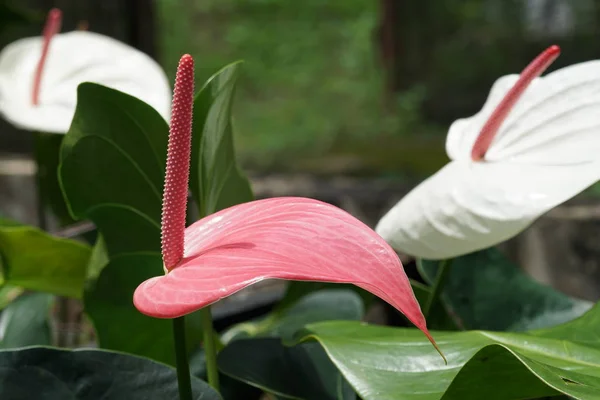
pixel 280 238
pixel 178 161
pixel 52 27
pixel 532 71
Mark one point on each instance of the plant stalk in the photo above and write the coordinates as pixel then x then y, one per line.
pixel 210 348
pixel 181 360
pixel 438 286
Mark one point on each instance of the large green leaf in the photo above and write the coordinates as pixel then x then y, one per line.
pixel 388 363
pixel 47 151
pixel 34 260
pixel 43 373
pixel 25 321
pixel 112 172
pixel 215 179
pixel 112 167
pixel 8 293
pixel 301 371
pixel 487 291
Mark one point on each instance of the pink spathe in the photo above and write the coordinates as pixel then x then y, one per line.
pixel 280 238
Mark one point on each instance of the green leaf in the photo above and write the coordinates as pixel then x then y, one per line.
pixel 47 151
pixel 301 371
pixel 8 293
pixel 438 317
pixel 388 363
pixel 43 373
pixel 112 167
pixel 323 305
pixel 487 291
pixel 112 171
pixel 35 260
pixel 298 289
pixel 230 388
pixel 25 321
pixel 298 372
pixel 215 179
pixel 119 325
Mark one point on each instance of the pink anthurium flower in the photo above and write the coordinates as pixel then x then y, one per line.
pixel 280 238
pixel 39 75
pixel 534 145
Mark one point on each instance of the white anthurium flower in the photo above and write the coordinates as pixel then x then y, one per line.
pixel 39 76
pixel 534 145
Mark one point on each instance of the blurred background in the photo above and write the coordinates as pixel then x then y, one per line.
pixel 348 101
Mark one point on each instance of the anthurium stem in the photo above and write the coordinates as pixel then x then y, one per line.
pixel 437 286
pixel 210 348
pixel 181 360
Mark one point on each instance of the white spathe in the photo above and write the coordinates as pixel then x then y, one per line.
pixel 73 58
pixel 545 152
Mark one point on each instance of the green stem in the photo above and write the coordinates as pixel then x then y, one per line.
pixel 181 359
pixel 210 348
pixel 438 286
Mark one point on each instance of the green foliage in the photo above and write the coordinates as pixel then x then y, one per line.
pixel 47 373
pixel 25 321
pixel 34 260
pixel 112 171
pixel 486 291
pixel 215 180
pixel 312 78
pixel 257 354
pixel 400 363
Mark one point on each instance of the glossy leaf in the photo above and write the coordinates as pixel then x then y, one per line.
pixel 118 324
pixel 476 290
pixel 47 152
pixel 298 372
pixel 400 364
pixel 8 293
pixel 302 371
pixel 282 238
pixel 322 305
pixel 35 260
pixel 73 58
pixel 47 373
pixel 545 152
pixel 115 135
pixel 296 290
pixel 26 321
pixel 215 179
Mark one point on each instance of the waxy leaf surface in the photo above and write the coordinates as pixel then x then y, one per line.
pixel 26 321
pixel 34 260
pixel 112 172
pixel 545 152
pixel 476 292
pixel 384 363
pixel 259 356
pixel 215 179
pixel 46 373
pixel 281 238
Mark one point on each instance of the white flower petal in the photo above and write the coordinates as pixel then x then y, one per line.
pixel 469 206
pixel 73 58
pixel 556 121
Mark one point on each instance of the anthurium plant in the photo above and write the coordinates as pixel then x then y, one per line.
pixel 177 230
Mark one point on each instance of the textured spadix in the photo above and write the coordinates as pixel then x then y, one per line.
pixel 546 151
pixel 73 58
pixel 282 238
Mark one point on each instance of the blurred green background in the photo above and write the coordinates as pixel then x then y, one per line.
pixel 365 87
pixel 359 87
